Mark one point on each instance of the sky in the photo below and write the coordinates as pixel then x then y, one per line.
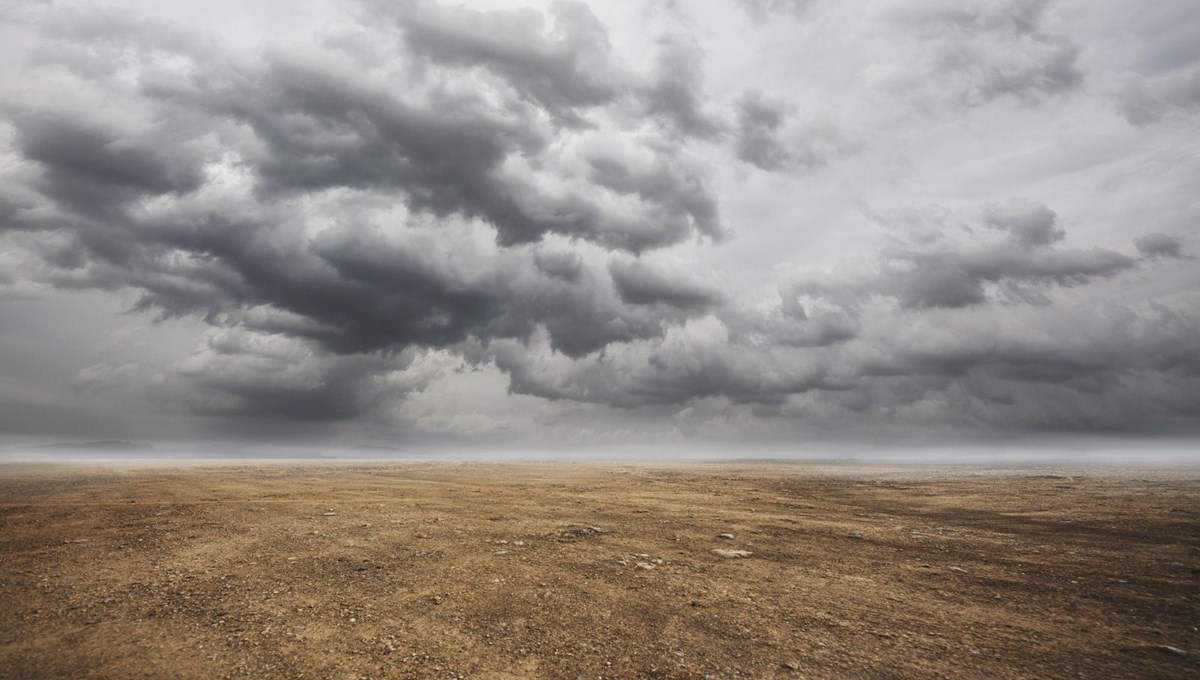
pixel 734 225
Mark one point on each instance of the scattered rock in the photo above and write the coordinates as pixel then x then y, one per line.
pixel 728 537
pixel 732 553
pixel 790 666
pixel 579 531
pixel 644 566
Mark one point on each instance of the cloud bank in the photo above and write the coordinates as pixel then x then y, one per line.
pixel 485 221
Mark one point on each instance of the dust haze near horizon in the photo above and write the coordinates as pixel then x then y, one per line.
pixel 660 229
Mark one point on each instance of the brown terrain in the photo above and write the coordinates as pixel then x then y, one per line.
pixel 554 570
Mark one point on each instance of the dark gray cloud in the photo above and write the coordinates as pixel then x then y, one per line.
pixel 336 217
pixel 771 136
pixel 759 121
pixel 1159 245
pixel 244 375
pixel 793 325
pixel 567 266
pixel 1031 224
pixel 903 341
pixel 695 361
pixel 675 94
pixel 90 170
pixel 639 284
pixel 436 208
pixel 445 155
pixel 937 271
pixel 682 201
pixel 565 67
pixel 307 132
pixel 1144 101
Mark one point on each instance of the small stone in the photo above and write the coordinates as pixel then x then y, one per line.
pixel 728 537
pixel 644 566
pixel 732 553
pixel 958 569
pixel 499 552
pixel 1170 650
pixel 329 514
pixel 577 531
pixel 790 666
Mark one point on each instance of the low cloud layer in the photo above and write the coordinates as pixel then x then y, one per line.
pixel 469 221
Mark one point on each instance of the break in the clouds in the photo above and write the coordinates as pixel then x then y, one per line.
pixel 371 222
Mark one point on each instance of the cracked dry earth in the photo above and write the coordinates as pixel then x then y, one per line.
pixel 471 570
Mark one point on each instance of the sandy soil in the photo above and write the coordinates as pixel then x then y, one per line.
pixel 600 571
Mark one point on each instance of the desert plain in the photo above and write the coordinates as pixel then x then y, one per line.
pixel 597 570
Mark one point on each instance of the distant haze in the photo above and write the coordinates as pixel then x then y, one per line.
pixel 737 228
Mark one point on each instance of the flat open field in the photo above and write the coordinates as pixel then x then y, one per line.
pixel 472 570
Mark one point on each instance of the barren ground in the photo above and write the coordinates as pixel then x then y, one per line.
pixel 444 570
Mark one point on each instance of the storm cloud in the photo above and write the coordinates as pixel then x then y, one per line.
pixel 518 219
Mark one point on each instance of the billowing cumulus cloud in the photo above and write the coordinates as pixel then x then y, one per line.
pixel 639 284
pixel 772 136
pixel 948 269
pixel 1159 245
pixel 434 218
pixel 562 63
pixel 674 93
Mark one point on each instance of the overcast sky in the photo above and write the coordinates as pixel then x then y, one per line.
pixel 667 223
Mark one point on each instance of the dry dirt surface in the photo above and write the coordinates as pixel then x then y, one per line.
pixel 471 570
